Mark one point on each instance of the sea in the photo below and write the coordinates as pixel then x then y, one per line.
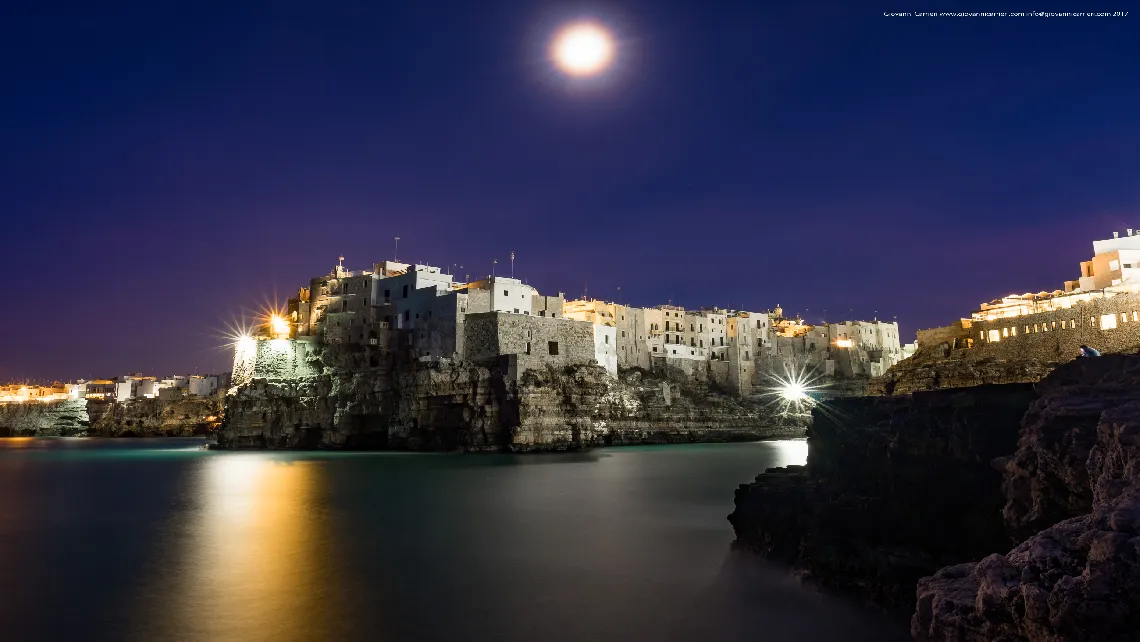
pixel 161 539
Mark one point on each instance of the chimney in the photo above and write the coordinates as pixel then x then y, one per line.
pixel 1130 231
pixel 1116 235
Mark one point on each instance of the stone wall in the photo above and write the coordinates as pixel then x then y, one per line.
pixel 487 336
pixel 1028 349
pixel 1050 336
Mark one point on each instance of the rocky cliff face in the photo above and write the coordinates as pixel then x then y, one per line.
pixel 1073 488
pixel 939 368
pixel 155 417
pixel 52 419
pixel 894 488
pixel 478 407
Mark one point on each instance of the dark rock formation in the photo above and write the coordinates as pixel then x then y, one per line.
pixel 1076 474
pixel 484 407
pixel 894 488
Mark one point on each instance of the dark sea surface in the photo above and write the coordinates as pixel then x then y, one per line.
pixel 154 540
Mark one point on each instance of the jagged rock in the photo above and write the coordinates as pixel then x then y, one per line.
pixel 1076 475
pixel 894 488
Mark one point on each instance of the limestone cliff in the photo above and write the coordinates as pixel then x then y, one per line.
pixel 484 407
pixel 155 417
pixel 897 487
pixel 894 487
pixel 939 367
pixel 1073 488
pixel 51 419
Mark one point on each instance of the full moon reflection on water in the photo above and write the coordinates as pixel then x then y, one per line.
pixel 583 49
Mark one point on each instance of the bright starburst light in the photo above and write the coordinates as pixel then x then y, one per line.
pixel 792 392
pixel 583 49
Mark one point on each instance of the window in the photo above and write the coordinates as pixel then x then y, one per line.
pixel 607 339
pixel 552 347
pixel 1013 331
pixel 691 327
pixel 407 316
pixel 1135 317
pixel 1026 329
pixel 528 347
pixel 702 343
pixel 655 348
pixel 505 293
pixel 623 334
pixel 1073 322
pixel 674 352
pixel 1054 325
pixel 516 310
pixel 1107 321
pixel 1114 265
pixel 542 313
pixel 1005 332
pixel 1124 317
pixel 405 291
pixel 1036 328
pixel 995 336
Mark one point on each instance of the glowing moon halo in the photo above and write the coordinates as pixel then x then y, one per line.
pixel 583 49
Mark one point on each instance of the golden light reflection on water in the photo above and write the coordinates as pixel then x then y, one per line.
pixel 250 554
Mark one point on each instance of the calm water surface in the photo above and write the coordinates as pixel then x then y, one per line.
pixel 159 540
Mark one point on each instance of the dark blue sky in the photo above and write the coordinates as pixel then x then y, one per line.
pixel 166 166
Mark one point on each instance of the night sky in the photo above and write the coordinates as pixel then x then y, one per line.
pixel 166 167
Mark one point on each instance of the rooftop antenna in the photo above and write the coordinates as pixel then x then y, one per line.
pixel 618 295
pixel 494 262
pixel 396 251
pixel 512 264
pixel 585 290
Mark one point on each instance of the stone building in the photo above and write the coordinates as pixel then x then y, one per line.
pixel 419 311
pixel 1101 308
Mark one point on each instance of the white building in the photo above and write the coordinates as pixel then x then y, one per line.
pixel 605 348
pixel 1114 261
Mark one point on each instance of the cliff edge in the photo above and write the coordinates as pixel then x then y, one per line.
pixel 1000 512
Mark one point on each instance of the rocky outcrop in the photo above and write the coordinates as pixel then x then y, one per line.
pixel 47 419
pixel 939 368
pixel 486 407
pixel 1075 478
pixel 897 505
pixel 155 417
pixel 894 488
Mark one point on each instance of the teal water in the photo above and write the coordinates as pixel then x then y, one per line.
pixel 160 540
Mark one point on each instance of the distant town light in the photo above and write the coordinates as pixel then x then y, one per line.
pixel 844 343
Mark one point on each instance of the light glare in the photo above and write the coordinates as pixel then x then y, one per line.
pixel 583 49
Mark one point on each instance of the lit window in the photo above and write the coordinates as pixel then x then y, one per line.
pixel 1124 317
pixel 995 335
pixel 1114 265
pixel 1005 332
pixel 1107 321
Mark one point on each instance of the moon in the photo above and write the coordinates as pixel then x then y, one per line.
pixel 583 49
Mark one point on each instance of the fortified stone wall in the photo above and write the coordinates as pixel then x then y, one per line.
pixel 1020 355
pixel 489 335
